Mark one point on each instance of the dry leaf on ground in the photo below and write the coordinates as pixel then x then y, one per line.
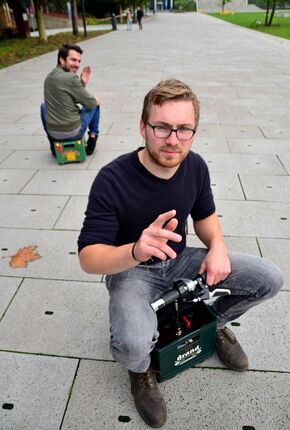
pixel 24 256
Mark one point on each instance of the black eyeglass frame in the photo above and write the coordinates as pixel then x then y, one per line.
pixel 193 130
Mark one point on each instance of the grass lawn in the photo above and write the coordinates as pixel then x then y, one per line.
pixel 15 50
pixel 280 25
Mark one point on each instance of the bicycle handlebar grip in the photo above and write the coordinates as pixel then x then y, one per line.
pixel 169 297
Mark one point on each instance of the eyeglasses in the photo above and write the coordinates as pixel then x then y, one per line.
pixel 182 133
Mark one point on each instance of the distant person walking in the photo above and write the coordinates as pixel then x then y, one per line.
pixel 139 17
pixel 129 19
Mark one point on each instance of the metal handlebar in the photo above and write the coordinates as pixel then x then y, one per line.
pixel 188 290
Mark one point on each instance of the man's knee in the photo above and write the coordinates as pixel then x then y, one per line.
pixel 273 277
pixel 132 347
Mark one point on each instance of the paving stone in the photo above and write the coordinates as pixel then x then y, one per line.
pixel 102 158
pixel 193 397
pixel 125 129
pixel 12 180
pixel 37 387
pixel 60 318
pixel 226 186
pixel 270 188
pixel 262 332
pixel 33 143
pixel 244 163
pixel 18 129
pixel 72 216
pixel 116 143
pixel 230 131
pixel 57 182
pixel 4 154
pixel 238 244
pixel 57 249
pixel 278 251
pixel 259 146
pixel 276 132
pixel 39 160
pixel 30 211
pixel 285 159
pixel 9 117
pixel 8 287
pixel 253 219
pixel 210 144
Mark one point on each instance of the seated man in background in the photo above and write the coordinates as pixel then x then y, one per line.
pixel 64 91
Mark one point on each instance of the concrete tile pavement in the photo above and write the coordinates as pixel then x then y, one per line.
pixel 56 371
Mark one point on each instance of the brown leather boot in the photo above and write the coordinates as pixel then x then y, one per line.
pixel 230 351
pixel 148 399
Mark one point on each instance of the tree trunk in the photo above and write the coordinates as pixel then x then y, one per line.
pixel 74 17
pixel 18 11
pixel 267 12
pixel 272 13
pixel 40 21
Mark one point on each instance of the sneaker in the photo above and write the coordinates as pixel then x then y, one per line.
pixel 230 351
pixel 148 399
pixel 91 144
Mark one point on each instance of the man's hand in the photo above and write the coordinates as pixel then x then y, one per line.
pixel 153 240
pixel 85 75
pixel 216 265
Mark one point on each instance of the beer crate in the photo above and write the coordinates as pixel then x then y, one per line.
pixel 173 354
pixel 70 151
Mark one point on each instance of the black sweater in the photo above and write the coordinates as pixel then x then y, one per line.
pixel 126 198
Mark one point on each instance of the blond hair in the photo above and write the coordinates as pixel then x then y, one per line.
pixel 169 91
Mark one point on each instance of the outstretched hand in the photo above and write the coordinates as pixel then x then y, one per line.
pixel 153 240
pixel 85 75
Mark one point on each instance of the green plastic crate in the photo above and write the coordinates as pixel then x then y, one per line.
pixel 70 151
pixel 173 354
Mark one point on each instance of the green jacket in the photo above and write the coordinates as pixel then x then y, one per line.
pixel 63 91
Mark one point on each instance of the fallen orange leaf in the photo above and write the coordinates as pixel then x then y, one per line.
pixel 24 256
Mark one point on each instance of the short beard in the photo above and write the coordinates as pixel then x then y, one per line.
pixel 163 161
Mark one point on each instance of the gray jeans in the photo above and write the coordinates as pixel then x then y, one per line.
pixel 133 324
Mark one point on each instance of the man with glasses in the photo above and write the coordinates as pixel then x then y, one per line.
pixel 135 232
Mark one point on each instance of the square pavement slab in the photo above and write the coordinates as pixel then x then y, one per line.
pixel 271 188
pixel 34 391
pixel 72 217
pixel 244 163
pixel 58 318
pixel 285 160
pixel 259 146
pixel 58 182
pixel 12 181
pixel 226 186
pixel 57 251
pixel 210 144
pixel 20 211
pixel 239 244
pixel 258 219
pixel 196 399
pixel 278 251
pixel 262 332
pixel 21 143
pixel 38 160
pixel 8 287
